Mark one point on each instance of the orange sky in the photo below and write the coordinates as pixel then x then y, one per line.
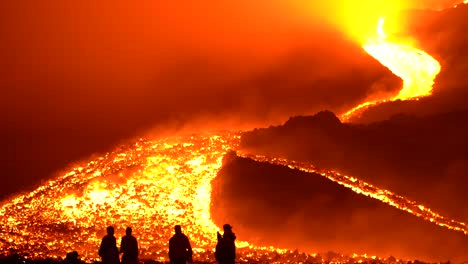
pixel 88 70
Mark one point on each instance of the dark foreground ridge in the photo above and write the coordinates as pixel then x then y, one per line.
pixel 326 258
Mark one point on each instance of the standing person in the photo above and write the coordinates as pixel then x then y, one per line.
pixel 108 249
pixel 226 247
pixel 129 248
pixel 180 251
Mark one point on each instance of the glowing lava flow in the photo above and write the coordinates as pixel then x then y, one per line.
pixel 369 190
pixel 151 186
pixel 415 67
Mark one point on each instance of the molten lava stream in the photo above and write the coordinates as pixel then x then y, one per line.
pixel 415 67
pixel 151 186
pixel 371 191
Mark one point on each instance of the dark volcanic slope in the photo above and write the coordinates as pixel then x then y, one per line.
pixel 273 205
pixel 424 159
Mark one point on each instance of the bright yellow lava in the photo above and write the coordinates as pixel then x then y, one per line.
pixel 151 186
pixel 415 67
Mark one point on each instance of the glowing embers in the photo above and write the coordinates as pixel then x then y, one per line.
pixel 415 67
pixel 150 186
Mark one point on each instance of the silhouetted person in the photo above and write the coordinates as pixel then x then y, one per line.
pixel 72 258
pixel 226 247
pixel 180 250
pixel 108 250
pixel 129 248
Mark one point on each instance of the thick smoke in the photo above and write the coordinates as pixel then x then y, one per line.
pixel 79 77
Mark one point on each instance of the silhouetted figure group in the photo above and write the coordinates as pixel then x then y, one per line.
pixel 110 254
pixel 180 250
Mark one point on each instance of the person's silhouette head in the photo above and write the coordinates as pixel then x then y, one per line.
pixel 110 230
pixel 227 228
pixel 128 231
pixel 178 229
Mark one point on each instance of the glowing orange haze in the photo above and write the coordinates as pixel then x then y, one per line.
pixel 153 185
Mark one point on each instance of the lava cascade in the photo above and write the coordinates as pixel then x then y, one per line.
pixel 151 186
pixel 415 67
